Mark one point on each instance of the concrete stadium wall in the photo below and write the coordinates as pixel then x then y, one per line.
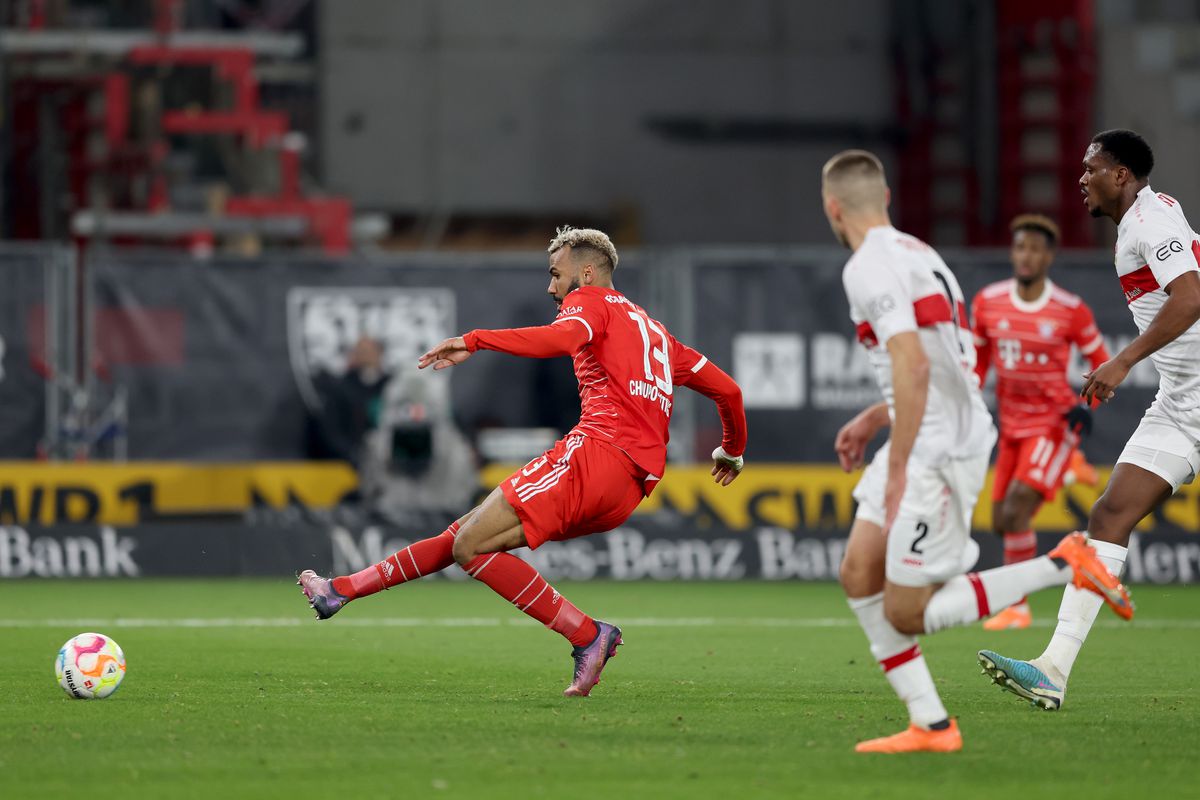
pixel 1150 81
pixel 536 106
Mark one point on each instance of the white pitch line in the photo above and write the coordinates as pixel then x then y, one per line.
pixel 493 622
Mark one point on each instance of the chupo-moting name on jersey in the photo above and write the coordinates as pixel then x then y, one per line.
pixel 651 392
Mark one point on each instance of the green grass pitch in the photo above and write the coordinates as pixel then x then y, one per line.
pixel 443 690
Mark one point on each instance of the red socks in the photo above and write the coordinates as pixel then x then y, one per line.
pixel 419 558
pixel 1019 547
pixel 520 584
pixel 510 577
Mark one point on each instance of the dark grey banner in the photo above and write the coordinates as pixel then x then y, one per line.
pixel 648 549
pixel 785 317
pixel 256 337
pixel 221 358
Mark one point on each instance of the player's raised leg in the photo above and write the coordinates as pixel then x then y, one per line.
pixel 927 587
pixel 967 598
pixel 328 596
pixel 480 549
pixel 1132 492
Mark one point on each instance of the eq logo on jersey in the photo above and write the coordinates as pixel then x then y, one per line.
pixel 881 304
pixel 1165 250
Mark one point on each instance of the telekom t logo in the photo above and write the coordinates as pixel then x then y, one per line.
pixel 1010 351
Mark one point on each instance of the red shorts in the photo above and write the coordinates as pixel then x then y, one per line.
pixel 1039 462
pixel 577 487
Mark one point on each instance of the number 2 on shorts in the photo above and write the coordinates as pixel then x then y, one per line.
pixel 922 531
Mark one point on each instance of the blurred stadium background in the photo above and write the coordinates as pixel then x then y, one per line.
pixel 228 228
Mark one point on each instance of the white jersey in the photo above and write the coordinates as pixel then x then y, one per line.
pixel 897 283
pixel 1155 245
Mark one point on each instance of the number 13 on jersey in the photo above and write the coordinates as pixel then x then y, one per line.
pixel 656 364
pixel 646 326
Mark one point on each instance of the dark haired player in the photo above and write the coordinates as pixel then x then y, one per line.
pixel 628 366
pixel 1024 329
pixel 1157 257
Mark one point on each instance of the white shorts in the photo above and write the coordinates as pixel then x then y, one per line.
pixel 930 542
pixel 1163 446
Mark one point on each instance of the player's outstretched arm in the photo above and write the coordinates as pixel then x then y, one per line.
pixel 447 354
pixel 1180 312
pixel 563 337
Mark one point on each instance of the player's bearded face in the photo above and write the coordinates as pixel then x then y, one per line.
pixel 564 276
pixel 571 286
pixel 564 279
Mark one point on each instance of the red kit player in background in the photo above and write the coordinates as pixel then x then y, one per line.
pixel 628 366
pixel 1024 329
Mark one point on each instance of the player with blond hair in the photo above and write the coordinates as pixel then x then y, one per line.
pixel 628 366
pixel 905 567
pixel 1024 328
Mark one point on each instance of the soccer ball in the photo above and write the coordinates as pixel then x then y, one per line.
pixel 90 666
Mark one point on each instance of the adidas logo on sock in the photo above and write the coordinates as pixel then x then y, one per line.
pixel 388 569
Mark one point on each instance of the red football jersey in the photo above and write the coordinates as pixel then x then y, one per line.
pixel 1029 344
pixel 628 366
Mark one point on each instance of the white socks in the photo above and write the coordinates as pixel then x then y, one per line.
pixel 1078 611
pixel 901 660
pixel 967 598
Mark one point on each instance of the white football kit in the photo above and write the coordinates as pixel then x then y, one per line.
pixel 1155 245
pixel 895 284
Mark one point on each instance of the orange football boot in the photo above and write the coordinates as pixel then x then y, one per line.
pixel 1080 470
pixel 915 740
pixel 1013 618
pixel 1091 574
